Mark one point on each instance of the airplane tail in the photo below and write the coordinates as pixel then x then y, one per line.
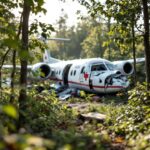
pixel 47 57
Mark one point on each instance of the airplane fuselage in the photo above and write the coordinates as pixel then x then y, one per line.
pixel 93 75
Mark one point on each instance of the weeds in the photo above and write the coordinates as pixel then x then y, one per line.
pixel 47 117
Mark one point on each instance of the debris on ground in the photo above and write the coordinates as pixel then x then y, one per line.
pixel 91 116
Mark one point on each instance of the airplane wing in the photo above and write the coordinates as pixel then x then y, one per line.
pixel 38 71
pixel 126 66
pixel 29 67
pixel 138 60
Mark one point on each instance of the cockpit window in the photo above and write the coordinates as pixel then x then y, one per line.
pixel 110 66
pixel 98 67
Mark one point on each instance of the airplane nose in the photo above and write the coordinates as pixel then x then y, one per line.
pixel 126 84
pixel 120 82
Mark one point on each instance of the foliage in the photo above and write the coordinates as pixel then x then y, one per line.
pixel 9 116
pixel 76 34
pixel 26 141
pixel 45 116
pixel 139 95
pixel 94 37
pixel 123 17
pixel 11 26
pixel 92 45
pixel 141 142
pixel 133 118
pixel 84 138
pixel 44 113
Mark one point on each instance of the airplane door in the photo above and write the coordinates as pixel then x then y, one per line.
pixel 65 74
pixel 84 78
pixel 96 81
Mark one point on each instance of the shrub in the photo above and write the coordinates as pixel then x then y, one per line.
pixel 133 118
pixel 45 112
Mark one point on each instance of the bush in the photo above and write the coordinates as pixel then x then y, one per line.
pixel 45 112
pixel 133 118
pixel 139 96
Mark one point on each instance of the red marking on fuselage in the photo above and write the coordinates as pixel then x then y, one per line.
pixel 86 75
pixel 72 82
pixel 55 79
pixel 87 85
pixel 95 86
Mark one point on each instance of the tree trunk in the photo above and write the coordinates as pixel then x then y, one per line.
pixel 146 42
pixel 109 47
pixel 23 71
pixel 14 64
pixel 134 51
pixel 13 76
pixel 3 59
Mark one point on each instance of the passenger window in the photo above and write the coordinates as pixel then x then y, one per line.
pixel 100 81
pixel 59 72
pixel 74 72
pixel 71 73
pixel 83 70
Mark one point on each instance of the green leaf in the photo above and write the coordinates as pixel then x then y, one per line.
pixel 10 111
pixel 24 55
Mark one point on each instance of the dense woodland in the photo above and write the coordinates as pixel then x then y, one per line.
pixel 115 30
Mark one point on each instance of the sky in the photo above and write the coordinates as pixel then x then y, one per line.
pixel 54 8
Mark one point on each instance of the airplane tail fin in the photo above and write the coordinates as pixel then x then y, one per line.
pixel 47 57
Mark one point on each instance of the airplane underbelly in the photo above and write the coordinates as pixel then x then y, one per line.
pixel 107 89
pixel 98 87
pixel 79 85
pixel 113 89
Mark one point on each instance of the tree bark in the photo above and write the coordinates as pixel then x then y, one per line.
pixel 24 62
pixel 109 47
pixel 13 76
pixel 3 59
pixel 146 41
pixel 14 63
pixel 134 51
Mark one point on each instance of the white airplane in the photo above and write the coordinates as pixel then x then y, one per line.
pixel 94 75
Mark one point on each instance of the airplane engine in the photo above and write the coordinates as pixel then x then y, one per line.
pixel 41 71
pixel 126 68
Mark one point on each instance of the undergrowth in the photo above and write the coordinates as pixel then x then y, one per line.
pixel 54 125
pixel 132 121
pixel 48 124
